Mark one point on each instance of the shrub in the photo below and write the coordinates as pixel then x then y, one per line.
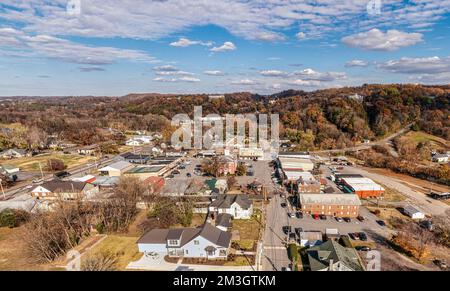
pixel 12 218
pixel 293 252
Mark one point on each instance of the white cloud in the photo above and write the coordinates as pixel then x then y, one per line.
pixel 227 46
pixel 176 80
pixel 312 75
pixel 21 44
pixel 306 83
pixel 184 42
pixel 214 73
pixel 189 79
pixel 246 82
pixel 378 40
pixel 272 73
pixel 356 63
pixel 256 20
pixel 166 68
pixel 301 35
pixel 427 65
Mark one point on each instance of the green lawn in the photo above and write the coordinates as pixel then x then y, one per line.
pixel 32 163
pixel 420 136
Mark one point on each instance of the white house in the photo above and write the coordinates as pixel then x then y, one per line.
pixel 413 212
pixel 139 140
pixel 9 169
pixel 239 206
pixel 441 158
pixel 65 190
pixel 206 242
pixel 13 153
pixel 133 142
pixel 116 169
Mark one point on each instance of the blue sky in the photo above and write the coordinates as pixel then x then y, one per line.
pixel 88 47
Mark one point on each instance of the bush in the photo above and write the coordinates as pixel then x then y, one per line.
pixel 12 218
pixel 293 253
pixel 55 165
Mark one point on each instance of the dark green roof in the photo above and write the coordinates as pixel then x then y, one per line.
pixel 320 256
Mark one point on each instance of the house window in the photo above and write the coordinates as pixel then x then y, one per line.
pixel 223 253
pixel 196 242
pixel 173 242
pixel 210 253
pixel 186 252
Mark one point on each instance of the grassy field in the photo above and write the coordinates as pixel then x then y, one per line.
pixel 391 195
pixel 124 247
pixel 248 232
pixel 12 252
pixel 32 163
pixel 420 136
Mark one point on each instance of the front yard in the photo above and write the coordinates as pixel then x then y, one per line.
pixel 246 232
pixel 123 247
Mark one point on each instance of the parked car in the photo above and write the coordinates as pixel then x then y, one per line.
pixel 353 235
pixel 188 175
pixel 287 269
pixel 284 205
pixel 381 222
pixel 427 224
pixel 38 181
pixel 339 219
pixel 298 230
pixel 362 236
pixel 171 176
pixel 292 236
pixel 291 215
pixel 361 218
pixel 62 174
pixel 323 217
pixel 287 229
pixel 363 248
pixel 347 219
pixel 299 214
pixel 176 172
pixel 316 216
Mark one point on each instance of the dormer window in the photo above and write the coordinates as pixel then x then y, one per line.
pixel 173 242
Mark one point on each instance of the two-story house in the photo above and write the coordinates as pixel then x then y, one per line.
pixel 239 206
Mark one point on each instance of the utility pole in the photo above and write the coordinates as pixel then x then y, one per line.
pixel 42 173
pixel 3 190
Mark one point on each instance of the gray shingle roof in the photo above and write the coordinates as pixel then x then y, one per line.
pixel 320 256
pixel 225 201
pixel 329 199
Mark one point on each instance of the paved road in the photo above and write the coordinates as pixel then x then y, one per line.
pixel 275 254
pixel 385 141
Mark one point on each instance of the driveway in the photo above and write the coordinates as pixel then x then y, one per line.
pixel 157 263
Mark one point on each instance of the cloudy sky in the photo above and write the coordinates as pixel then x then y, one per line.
pixel 115 47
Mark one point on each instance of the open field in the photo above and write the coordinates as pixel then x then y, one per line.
pixel 124 247
pixel 32 163
pixel 12 252
pixel 420 136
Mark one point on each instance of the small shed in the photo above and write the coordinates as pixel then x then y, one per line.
pixel 413 212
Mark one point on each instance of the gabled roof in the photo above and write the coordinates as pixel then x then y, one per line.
pixel 224 220
pixel 225 201
pixel 215 235
pixel 185 235
pixel 320 256
pixel 117 166
pixel 63 186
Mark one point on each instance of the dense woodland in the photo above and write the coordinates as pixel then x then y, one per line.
pixel 324 119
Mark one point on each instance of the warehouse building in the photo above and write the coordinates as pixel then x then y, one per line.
pixel 363 187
